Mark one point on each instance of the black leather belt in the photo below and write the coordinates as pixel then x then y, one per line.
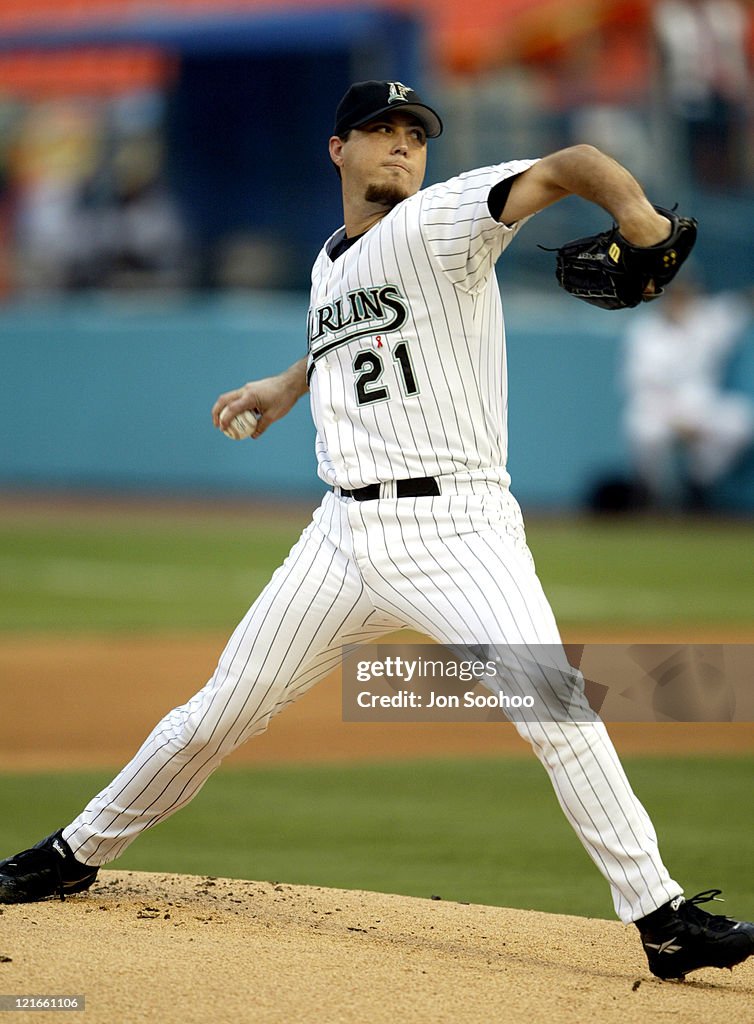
pixel 416 487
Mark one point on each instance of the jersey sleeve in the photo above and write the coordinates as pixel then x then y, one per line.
pixel 459 229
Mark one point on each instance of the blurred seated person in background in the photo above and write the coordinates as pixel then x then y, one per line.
pixel 113 224
pixel 137 239
pixel 706 76
pixel 684 430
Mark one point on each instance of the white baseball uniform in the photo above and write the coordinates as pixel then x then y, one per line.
pixel 408 381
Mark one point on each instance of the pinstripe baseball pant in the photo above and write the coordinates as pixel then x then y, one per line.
pixel 454 567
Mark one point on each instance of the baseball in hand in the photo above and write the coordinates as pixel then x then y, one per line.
pixel 242 425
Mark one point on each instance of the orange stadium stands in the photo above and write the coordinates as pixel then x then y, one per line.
pixel 461 38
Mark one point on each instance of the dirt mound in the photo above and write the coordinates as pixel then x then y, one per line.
pixel 168 948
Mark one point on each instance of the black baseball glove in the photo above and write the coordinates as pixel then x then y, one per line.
pixel 608 271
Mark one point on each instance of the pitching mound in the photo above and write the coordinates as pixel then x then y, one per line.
pixel 168 948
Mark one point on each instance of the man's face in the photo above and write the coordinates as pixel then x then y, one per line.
pixel 384 161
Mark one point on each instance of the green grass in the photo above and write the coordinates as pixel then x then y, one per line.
pixel 652 573
pixel 136 572
pixel 484 831
pixel 156 571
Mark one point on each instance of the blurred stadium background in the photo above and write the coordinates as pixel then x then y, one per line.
pixel 164 186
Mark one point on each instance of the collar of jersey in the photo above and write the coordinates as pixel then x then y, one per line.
pixel 340 243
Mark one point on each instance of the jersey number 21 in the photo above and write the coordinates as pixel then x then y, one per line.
pixel 369 367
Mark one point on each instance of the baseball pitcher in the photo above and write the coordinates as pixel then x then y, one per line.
pixel 406 373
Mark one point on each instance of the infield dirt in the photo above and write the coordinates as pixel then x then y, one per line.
pixel 168 948
pixel 89 702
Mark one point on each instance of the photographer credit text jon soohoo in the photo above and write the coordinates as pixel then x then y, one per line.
pixel 431 684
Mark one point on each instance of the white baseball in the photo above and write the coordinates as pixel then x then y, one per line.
pixel 242 425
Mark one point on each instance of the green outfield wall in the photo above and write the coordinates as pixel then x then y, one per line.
pixel 115 393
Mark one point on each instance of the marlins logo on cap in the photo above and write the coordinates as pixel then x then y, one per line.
pixel 365 101
pixel 398 92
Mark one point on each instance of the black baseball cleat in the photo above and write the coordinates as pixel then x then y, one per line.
pixel 680 937
pixel 47 869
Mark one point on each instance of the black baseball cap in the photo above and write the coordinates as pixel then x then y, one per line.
pixel 365 101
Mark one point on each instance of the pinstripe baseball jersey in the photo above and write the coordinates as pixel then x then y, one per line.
pixel 407 364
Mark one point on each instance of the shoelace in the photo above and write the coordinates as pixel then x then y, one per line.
pixel 691 909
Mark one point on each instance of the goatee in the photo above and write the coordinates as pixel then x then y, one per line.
pixel 385 195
